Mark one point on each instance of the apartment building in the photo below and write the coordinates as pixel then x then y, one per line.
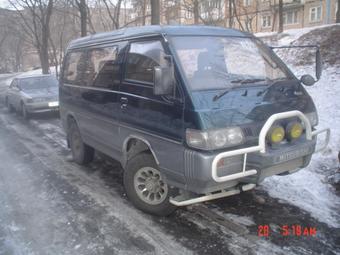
pixel 248 15
pixel 296 14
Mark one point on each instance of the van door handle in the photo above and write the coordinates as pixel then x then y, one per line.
pixel 123 102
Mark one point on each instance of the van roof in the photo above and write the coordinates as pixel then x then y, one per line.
pixel 155 30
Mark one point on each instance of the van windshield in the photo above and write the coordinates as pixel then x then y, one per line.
pixel 225 62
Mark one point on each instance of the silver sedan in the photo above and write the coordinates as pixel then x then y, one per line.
pixel 33 94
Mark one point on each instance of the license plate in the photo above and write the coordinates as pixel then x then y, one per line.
pixel 294 154
pixel 53 104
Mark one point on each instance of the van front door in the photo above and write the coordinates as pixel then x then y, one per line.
pixel 140 108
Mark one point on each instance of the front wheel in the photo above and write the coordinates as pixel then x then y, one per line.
pixel 9 106
pixel 24 112
pixel 81 152
pixel 145 187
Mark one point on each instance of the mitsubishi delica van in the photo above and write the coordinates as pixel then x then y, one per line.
pixel 192 113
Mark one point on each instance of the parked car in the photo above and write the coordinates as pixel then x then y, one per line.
pixel 193 113
pixel 4 84
pixel 33 94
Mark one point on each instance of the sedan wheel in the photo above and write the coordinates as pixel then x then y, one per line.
pixel 24 112
pixel 9 106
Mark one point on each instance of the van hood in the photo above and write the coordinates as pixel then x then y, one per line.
pixel 248 105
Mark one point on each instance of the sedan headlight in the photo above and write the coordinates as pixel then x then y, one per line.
pixel 39 99
pixel 214 139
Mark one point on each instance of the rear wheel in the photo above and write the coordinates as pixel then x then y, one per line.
pixel 81 152
pixel 145 187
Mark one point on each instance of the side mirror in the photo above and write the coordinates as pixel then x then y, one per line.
pixel 307 80
pixel 318 65
pixel 163 80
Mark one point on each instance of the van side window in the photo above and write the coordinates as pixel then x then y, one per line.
pixel 141 59
pixel 102 70
pixel 75 67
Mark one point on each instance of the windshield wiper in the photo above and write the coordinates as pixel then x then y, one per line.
pixel 270 85
pixel 218 96
pixel 242 81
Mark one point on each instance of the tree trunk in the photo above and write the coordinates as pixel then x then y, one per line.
pixel 44 60
pixel 338 13
pixel 230 13
pixel 196 12
pixel 144 12
pixel 117 10
pixel 45 35
pixel 280 30
pixel 83 18
pixel 155 17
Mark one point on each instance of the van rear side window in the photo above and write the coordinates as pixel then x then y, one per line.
pixel 93 68
pixel 103 71
pixel 74 67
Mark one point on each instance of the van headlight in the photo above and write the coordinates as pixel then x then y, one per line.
pixel 313 118
pixel 214 139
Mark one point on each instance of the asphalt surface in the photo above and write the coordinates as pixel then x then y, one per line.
pixel 50 205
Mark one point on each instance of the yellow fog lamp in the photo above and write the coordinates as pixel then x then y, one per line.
pixel 276 134
pixel 294 130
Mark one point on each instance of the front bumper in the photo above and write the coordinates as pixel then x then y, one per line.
pixel 251 164
pixel 40 107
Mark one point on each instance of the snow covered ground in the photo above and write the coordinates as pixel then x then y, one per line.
pixel 309 188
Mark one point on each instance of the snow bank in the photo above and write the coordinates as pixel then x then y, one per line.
pixel 290 35
pixel 309 188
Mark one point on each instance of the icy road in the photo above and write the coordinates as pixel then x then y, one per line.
pixel 50 205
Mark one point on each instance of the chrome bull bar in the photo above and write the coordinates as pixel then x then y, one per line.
pixel 261 147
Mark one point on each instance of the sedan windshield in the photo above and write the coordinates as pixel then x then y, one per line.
pixel 38 83
pixel 225 62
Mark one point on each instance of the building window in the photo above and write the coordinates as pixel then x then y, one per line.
pixel 246 2
pixel 213 4
pixel 315 14
pixel 266 21
pixel 188 14
pixel 290 17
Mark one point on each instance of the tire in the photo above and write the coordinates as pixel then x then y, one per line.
pixel 137 169
pixel 9 106
pixel 81 152
pixel 25 114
